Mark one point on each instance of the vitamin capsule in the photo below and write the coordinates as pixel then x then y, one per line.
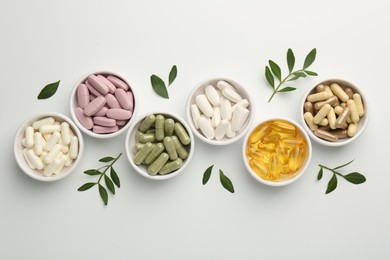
pixel 221 85
pixel 309 121
pixel 53 140
pixel 82 95
pixel 152 156
pixel 104 129
pixel 332 118
pixel 331 101
pixel 138 146
pixel 349 92
pixel 49 129
pixel 291 142
pixel 258 155
pixel 205 127
pixel 343 104
pixel 121 122
pixel 141 155
pixel 170 148
pixel 282 153
pixel 65 133
pixel 269 147
pixel 271 138
pixel 341 120
pixel 327 89
pixel 68 161
pixel 237 116
pixel 38 143
pixel 226 109
pixel 242 103
pixel 204 105
pixel 98 84
pixel 324 122
pixel 94 106
pixel 119 114
pixel 230 133
pixel 216 118
pixel 147 123
pixel 231 95
pixel 27 158
pixel 86 121
pixel 339 92
pixel 274 167
pixel 354 113
pixel 156 166
pixel 359 104
pixel 169 126
pixel 171 166
pixel 118 82
pixel 29 136
pixel 320 88
pixel 259 132
pixel 318 96
pixel 338 110
pixel 60 160
pixel 195 115
pixel 181 133
pixel 104 121
pixel 44 121
pixel 283 127
pixel 74 147
pixel 325 135
pixel 130 97
pixel 34 159
pixel 123 99
pixel 111 101
pixel 146 138
pixel 308 107
pixel 259 169
pixel 221 129
pixel 92 90
pixel 321 114
pixel 55 167
pixel 181 151
pixel 341 133
pixel 110 86
pixel 159 125
pixel 297 158
pixel 212 95
pixel 52 154
pixel 352 129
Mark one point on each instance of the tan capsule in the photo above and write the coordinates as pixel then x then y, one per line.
pixel 349 120
pixel 359 104
pixel 335 104
pixel 332 118
pixel 326 127
pixel 326 135
pixel 343 104
pixel 324 122
pixel 327 89
pixel 349 92
pixel 354 114
pixel 339 92
pixel 352 129
pixel 341 120
pixel 318 96
pixel 308 107
pixel 338 110
pixel 330 101
pixel 320 88
pixel 309 121
pixel 321 114
pixel 341 133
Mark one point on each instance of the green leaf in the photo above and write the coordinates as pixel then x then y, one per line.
pixel 207 174
pixel 109 184
pixel 320 173
pixel 341 166
pixel 86 186
pixel 332 185
pixel 106 159
pixel 159 86
pixel 226 182
pixel 103 194
pixel 355 178
pixel 172 74
pixel 311 73
pixel 269 77
pixel 287 89
pixel 290 60
pixel 310 58
pixel 92 172
pixel 49 90
pixel 275 69
pixel 115 177
pixel 297 75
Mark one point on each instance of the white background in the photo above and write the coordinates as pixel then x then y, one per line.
pixel 46 41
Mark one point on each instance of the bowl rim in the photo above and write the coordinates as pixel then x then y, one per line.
pixel 222 141
pixel 302 170
pixel 341 142
pixel 129 153
pixel 72 105
pixel 18 148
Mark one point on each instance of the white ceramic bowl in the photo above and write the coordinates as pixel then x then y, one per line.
pixel 283 182
pixel 361 125
pixel 73 105
pixel 199 89
pixel 130 146
pixel 18 148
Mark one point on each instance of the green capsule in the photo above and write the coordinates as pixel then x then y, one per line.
pixel 157 150
pixel 151 131
pixel 169 126
pixel 143 153
pixel 170 148
pixel 171 166
pixel 160 122
pixel 155 166
pixel 147 123
pixel 137 136
pixel 181 151
pixel 182 134
pixel 138 146
pixel 144 138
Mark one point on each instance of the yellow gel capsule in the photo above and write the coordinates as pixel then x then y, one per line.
pixel 269 147
pixel 290 142
pixel 282 153
pixel 271 138
pixel 259 169
pixel 258 155
pixel 297 158
pixel 283 127
pixel 274 167
pixel 259 132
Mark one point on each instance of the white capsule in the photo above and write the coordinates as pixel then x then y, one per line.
pixel 38 145
pixel 44 121
pixel 216 118
pixel 205 126
pixel 34 159
pixel 65 133
pixel 53 153
pixel 243 103
pixel 49 129
pixel 53 140
pixel 226 109
pixel 74 147
pixel 24 142
pixel 232 95
pixel 230 133
pixel 204 105
pixel 195 115
pixel 62 160
pixel 55 166
pixel 65 148
pixel 29 136
pixel 221 129
pixel 46 137
pixel 68 161
pixel 212 95
pixel 29 162
pixel 42 157
pixel 239 117
pixel 221 85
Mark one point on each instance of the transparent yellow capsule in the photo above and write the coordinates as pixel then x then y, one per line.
pixel 297 158
pixel 271 138
pixel 282 153
pixel 283 127
pixel 269 147
pixel 260 156
pixel 259 132
pixel 274 167
pixel 291 142
pixel 259 169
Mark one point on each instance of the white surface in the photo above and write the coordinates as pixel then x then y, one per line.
pixel 44 41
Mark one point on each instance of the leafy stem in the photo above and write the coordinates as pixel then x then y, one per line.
pixel 286 79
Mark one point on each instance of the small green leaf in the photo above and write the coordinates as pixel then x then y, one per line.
pixel 115 177
pixel 226 182
pixel 103 194
pixel 275 69
pixel 290 60
pixel 159 86
pixel 310 58
pixel 355 178
pixel 86 186
pixel 287 89
pixel 106 159
pixel 332 185
pixel 92 172
pixel 207 174
pixel 297 75
pixel 311 73
pixel 49 90
pixel 172 74
pixel 269 77
pixel 341 166
pixel 109 184
pixel 320 173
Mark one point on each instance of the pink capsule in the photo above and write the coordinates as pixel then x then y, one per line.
pixel 119 114
pixel 131 99
pixel 118 82
pixel 112 102
pixel 104 130
pixel 121 122
pixel 123 99
pixel 98 84
pixel 101 112
pixel 86 121
pixel 92 90
pixel 94 106
pixel 104 121
pixel 111 87
pixel 82 95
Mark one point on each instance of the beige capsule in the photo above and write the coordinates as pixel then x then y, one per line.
pixel 339 92
pixel 342 119
pixel 332 100
pixel 321 114
pixel 324 122
pixel 327 89
pixel 326 135
pixel 320 88
pixel 352 129
pixel 354 114
pixel 341 133
pixel 309 121
pixel 308 107
pixel 359 104
pixel 332 118
pixel 349 92
pixel 320 96
pixel 338 110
